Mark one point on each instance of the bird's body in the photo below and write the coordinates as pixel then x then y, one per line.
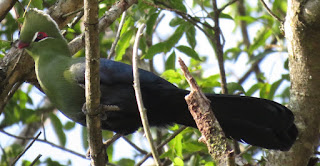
pixel 256 121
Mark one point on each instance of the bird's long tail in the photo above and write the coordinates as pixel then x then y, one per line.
pixel 256 121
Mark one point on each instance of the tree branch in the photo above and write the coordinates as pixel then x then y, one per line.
pixel 109 17
pixel 162 144
pixel 270 12
pixel 142 109
pixel 114 44
pixel 92 83
pixel 44 141
pixel 22 153
pixel 212 134
pixel 5 7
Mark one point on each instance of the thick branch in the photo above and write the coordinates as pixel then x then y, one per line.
pixel 207 124
pixel 302 32
pixel 5 7
pixel 92 82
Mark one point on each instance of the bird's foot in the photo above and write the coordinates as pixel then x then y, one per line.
pixel 107 108
pixel 104 109
pixel 110 108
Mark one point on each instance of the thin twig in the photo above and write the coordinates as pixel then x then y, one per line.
pixel 35 160
pixel 43 128
pixel 245 151
pixel 162 144
pixel 270 12
pixel 226 5
pixel 185 16
pixel 219 49
pixel 15 87
pixel 112 140
pixel 135 146
pixel 136 85
pixel 71 13
pixel 4 155
pixel 114 44
pixel 44 141
pixel 76 20
pixel 20 155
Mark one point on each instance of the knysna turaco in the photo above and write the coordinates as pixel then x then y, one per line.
pixel 256 121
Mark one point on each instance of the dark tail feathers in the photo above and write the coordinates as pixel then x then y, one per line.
pixel 256 121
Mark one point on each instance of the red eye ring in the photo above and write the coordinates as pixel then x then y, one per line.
pixel 40 36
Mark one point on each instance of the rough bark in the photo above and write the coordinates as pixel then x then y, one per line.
pixel 208 125
pixel 302 32
pixel 5 7
pixel 92 82
pixel 64 11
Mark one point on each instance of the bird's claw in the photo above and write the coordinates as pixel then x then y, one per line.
pixel 103 110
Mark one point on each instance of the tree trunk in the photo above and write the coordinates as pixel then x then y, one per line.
pixel 302 30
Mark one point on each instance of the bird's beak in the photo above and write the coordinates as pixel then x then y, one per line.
pixel 22 45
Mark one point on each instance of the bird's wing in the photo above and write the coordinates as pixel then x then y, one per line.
pixel 112 72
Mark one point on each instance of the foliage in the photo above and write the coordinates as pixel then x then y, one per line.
pixel 170 33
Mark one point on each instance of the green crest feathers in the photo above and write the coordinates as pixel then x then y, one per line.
pixel 38 21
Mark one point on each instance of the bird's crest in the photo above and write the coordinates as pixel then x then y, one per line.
pixel 38 21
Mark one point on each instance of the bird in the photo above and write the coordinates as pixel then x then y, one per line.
pixel 256 121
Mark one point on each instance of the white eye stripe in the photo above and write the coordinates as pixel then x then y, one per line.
pixel 34 39
pixel 35 36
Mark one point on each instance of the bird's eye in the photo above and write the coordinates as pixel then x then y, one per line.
pixel 39 36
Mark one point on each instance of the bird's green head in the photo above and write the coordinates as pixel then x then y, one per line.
pixel 40 35
pixel 37 25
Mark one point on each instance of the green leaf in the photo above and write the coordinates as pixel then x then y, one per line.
pixel 189 52
pixel 232 53
pixel 85 144
pixel 69 125
pixel 165 46
pixel 191 36
pixel 50 162
pixel 123 44
pixel 264 91
pixel 176 144
pixel 260 55
pixel 210 82
pixel 253 89
pixel 126 162
pixel 286 64
pixel 178 4
pixel 173 40
pixel 233 87
pixel 274 88
pixel 172 76
pixel 178 162
pixel 171 61
pixel 260 40
pixel 222 15
pixel 5 45
pixel 176 21
pixel 37 4
pixel 155 49
pixel 58 128
pixel 167 154
pixel 194 146
pixel 248 19
pixel 127 25
pixel 151 22
pixel 226 16
pixel 210 163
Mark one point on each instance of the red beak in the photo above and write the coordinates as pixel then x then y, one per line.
pixel 22 45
